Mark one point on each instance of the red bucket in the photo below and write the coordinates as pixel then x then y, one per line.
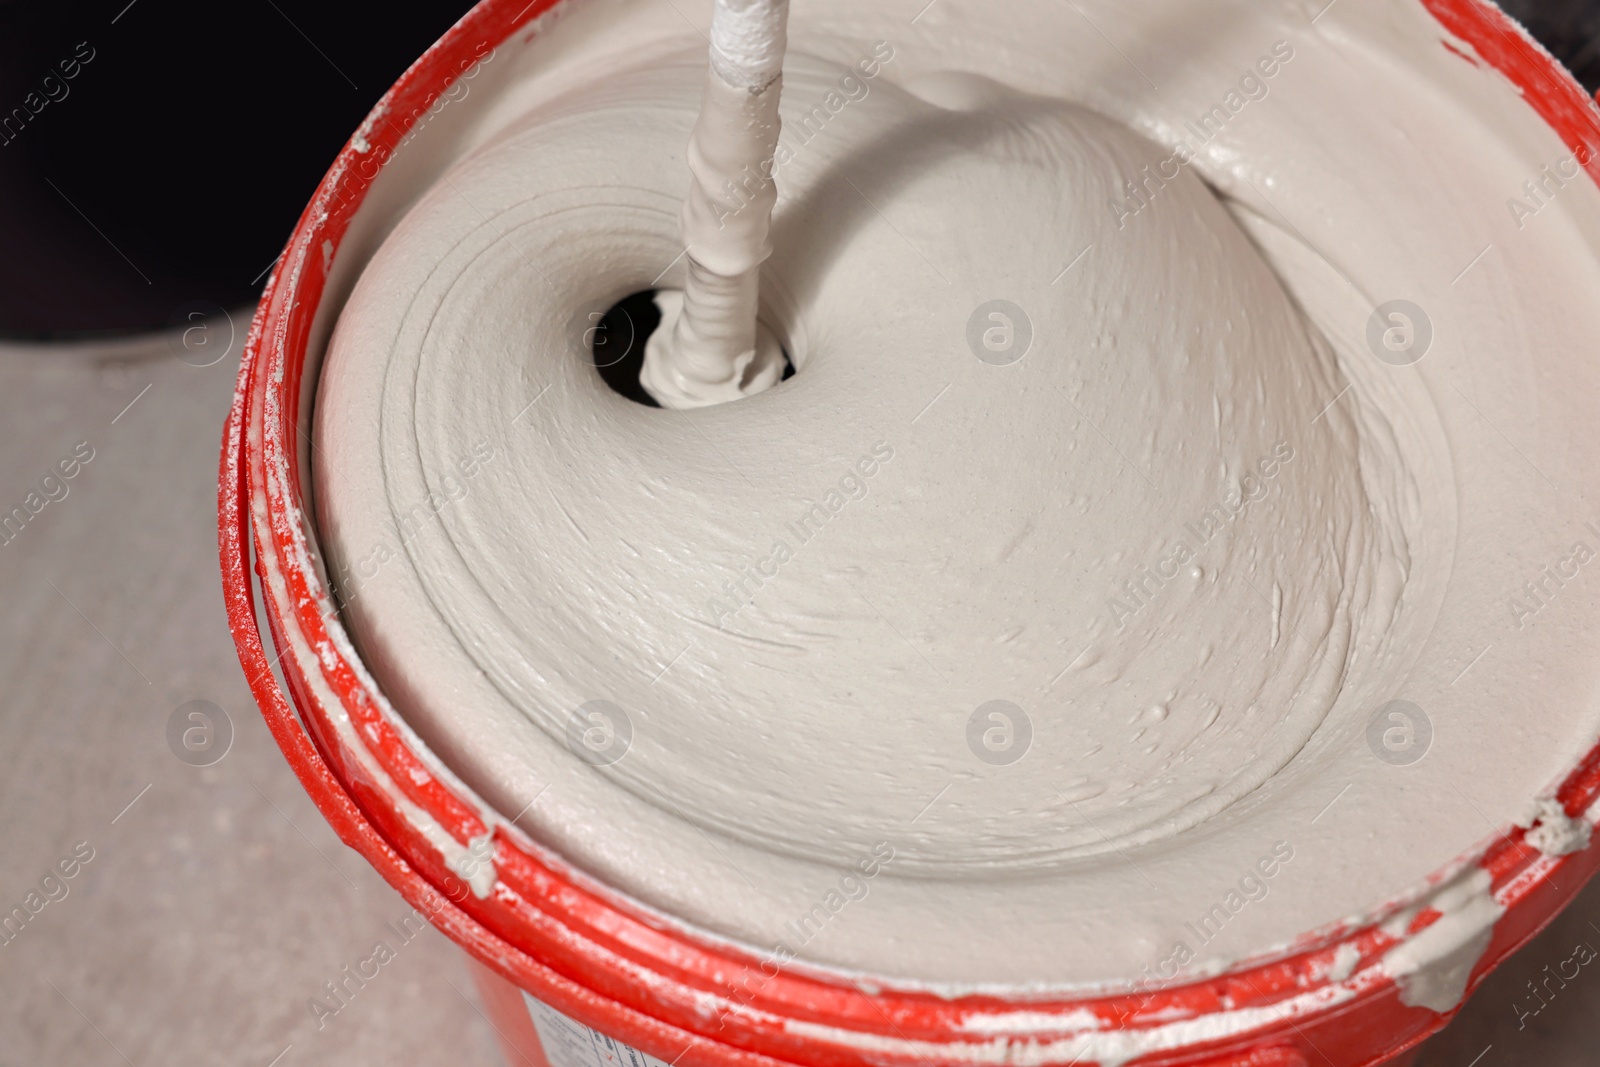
pixel 574 976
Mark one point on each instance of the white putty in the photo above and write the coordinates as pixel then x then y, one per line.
pixel 789 709
pixel 1032 1022
pixel 1432 967
pixel 1552 831
pixel 1345 959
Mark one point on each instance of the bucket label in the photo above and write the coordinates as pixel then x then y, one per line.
pixel 569 1043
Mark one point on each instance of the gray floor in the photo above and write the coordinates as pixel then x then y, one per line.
pixel 217 902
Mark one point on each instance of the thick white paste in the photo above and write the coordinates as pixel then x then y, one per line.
pixel 1169 504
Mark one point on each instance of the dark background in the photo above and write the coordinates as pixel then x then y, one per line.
pixel 114 210
pixel 1569 28
pixel 133 145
